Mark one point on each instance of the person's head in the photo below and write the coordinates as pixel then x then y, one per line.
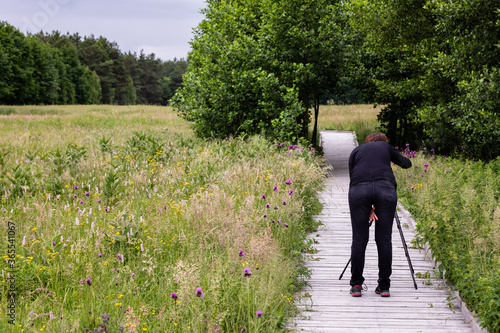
pixel 376 137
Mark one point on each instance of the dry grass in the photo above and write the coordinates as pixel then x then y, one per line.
pixel 360 118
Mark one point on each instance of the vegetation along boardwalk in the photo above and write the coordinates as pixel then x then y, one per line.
pixel 328 306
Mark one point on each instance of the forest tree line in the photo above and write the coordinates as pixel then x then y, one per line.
pixel 262 66
pixel 55 68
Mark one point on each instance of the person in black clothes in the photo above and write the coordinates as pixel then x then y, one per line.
pixel 373 188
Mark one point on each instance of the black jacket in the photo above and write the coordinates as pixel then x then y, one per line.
pixel 372 161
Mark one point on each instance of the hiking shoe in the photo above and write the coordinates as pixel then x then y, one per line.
pixel 383 292
pixel 356 291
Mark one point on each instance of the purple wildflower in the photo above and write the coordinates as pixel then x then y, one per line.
pixel 288 182
pixel 263 196
pixel 276 207
pixel 285 224
pixel 89 281
pixel 76 187
pixel 99 255
pixel 259 314
pixel 426 164
pixel 199 292
pixel 242 254
pixel 276 189
pixel 98 200
pixel 247 272
pixel 75 196
pixel 268 205
pixel 265 214
pixel 284 202
pixel 81 202
pixel 174 296
pixel 87 194
pixel 54 243
pixel 291 193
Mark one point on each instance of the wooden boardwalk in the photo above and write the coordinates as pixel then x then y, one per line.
pixel 327 305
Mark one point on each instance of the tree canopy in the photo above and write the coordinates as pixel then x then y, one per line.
pixel 434 64
pixel 258 67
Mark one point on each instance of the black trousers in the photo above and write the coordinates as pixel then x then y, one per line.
pixel 383 196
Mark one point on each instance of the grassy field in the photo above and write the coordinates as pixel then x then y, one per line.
pixel 118 219
pixel 359 118
pixel 457 207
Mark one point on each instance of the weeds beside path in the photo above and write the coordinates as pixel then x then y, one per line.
pixel 456 205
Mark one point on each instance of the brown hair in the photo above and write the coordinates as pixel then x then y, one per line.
pixel 376 137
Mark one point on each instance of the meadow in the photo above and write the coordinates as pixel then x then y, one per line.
pixel 119 219
pixel 456 204
pixel 360 118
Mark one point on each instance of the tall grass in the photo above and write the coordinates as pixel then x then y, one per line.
pixel 457 209
pixel 361 118
pixel 126 222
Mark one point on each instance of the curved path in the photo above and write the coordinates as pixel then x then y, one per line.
pixel 327 305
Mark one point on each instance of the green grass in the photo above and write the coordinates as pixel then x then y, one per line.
pixel 361 119
pixel 456 206
pixel 128 198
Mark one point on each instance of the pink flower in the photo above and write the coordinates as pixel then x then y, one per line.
pixel 199 292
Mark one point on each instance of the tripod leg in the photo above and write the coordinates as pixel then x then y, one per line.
pixel 341 275
pixel 398 222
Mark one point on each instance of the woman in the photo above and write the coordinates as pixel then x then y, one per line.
pixel 373 187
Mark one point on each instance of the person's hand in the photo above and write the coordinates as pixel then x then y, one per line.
pixel 373 217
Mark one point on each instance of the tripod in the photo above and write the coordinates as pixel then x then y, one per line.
pixel 398 223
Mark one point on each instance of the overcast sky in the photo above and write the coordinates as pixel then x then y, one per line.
pixel 162 27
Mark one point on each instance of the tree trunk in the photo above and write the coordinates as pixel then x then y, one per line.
pixel 315 130
pixel 305 120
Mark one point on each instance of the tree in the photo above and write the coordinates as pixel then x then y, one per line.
pixel 258 64
pixel 304 43
pixel 432 63
pixel 16 82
